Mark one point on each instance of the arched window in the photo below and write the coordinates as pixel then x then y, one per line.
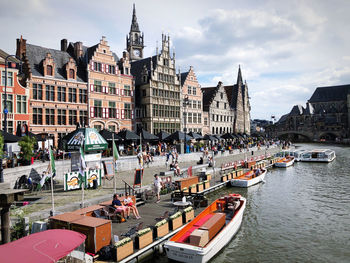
pixel 71 74
pixel 49 70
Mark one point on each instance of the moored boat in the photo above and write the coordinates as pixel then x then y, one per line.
pixel 209 232
pixel 249 178
pixel 285 162
pixel 318 155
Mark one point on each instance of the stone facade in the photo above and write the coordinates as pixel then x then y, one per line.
pixel 192 109
pixel 17 96
pixel 157 89
pixel 57 89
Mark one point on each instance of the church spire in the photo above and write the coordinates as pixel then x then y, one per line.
pixel 239 77
pixel 134 24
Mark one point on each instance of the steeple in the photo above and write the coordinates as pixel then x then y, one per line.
pixel 134 24
pixel 239 77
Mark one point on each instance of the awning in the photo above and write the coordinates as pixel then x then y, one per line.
pixel 42 247
pixel 195 136
pixel 93 141
pixel 8 137
pixel 146 136
pixel 162 135
pixel 128 135
pixel 108 135
pixel 179 136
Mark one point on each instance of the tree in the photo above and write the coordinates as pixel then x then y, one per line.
pixel 27 147
pixel 1 145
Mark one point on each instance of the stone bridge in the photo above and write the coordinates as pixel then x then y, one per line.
pixel 301 135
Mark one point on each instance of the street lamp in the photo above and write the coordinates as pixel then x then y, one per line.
pixel 186 102
pixel 5 108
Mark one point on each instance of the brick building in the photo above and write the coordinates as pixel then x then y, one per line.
pixel 17 96
pixel 192 110
pixel 57 89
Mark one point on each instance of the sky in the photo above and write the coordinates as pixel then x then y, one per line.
pixel 286 49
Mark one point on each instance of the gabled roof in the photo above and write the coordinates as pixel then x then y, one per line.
pixel 309 109
pixel 332 93
pixel 283 118
pixel 208 96
pixel 183 76
pixel 138 65
pixel 36 54
pixel 3 55
pixel 297 110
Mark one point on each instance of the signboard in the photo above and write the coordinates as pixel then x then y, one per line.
pixel 138 177
pixel 72 180
pixel 75 161
pixel 108 169
pixel 92 157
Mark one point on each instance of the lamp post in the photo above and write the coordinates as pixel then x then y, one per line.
pixel 6 111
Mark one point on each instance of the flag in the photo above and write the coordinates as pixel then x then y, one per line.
pixel 52 162
pixel 115 152
pixel 46 175
pixel 82 165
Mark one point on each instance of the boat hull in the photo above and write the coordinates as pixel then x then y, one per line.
pixel 284 164
pixel 193 254
pixel 247 183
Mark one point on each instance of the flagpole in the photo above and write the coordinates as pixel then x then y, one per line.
pixel 114 164
pixel 83 175
pixel 53 170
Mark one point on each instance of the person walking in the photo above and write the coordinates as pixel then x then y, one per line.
pixel 157 186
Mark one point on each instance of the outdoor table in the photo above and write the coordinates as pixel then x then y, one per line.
pixel 181 205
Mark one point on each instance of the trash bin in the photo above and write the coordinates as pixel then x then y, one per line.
pixel 94 184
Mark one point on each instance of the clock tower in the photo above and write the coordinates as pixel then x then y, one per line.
pixel 134 41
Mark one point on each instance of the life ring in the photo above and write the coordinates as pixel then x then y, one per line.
pixel 235 195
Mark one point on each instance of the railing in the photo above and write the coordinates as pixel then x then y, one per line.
pixel 128 188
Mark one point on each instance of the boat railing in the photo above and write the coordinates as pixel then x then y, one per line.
pixel 129 189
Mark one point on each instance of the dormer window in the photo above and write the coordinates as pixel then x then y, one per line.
pixel 49 70
pixel 72 74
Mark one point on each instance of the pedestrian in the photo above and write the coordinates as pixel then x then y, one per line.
pixel 157 186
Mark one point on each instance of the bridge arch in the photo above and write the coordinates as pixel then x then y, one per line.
pixel 294 136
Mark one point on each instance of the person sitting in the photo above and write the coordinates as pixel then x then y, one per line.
pixel 177 170
pixel 129 203
pixel 124 210
pixel 257 172
pixel 200 161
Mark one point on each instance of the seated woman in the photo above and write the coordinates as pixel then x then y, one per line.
pixel 129 203
pixel 124 210
pixel 177 170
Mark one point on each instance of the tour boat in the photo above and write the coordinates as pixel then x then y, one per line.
pixel 297 155
pixel 318 155
pixel 209 232
pixel 285 162
pixel 249 179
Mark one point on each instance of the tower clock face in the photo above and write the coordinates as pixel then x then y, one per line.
pixel 137 53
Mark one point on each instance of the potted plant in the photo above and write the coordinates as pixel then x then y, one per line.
pixel 188 214
pixel 175 221
pixel 200 187
pixel 27 148
pixel 206 184
pixel 124 248
pixel 161 229
pixel 143 238
pixel 193 189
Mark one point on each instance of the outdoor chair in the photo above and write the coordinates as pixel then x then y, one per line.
pixel 97 213
pixel 111 213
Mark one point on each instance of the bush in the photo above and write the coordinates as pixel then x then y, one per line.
pixel 27 147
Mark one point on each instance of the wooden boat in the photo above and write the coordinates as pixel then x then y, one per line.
pixel 285 162
pixel 209 232
pixel 318 155
pixel 249 179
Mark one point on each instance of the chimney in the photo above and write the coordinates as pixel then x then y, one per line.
pixel 78 49
pixel 21 48
pixel 64 45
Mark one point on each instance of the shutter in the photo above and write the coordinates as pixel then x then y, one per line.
pixel 107 69
pixel 92 112
pixel 132 93
pixel 92 65
pixel 117 91
pixel 107 113
pixel 117 115
pixel 132 114
pixel 121 92
pixel 102 67
pixel 103 112
pixel 103 89
pixel 91 87
pixel 106 89
pixel 123 114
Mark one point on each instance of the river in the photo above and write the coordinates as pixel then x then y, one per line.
pixel 300 214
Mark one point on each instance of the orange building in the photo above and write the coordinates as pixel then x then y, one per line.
pixel 17 96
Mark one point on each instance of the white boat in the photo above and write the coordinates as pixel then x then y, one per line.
pixel 179 248
pixel 249 179
pixel 297 154
pixel 318 155
pixel 285 162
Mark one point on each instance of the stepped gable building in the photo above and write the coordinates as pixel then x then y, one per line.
pixel 57 89
pixel 157 90
pixel 134 42
pixel 110 86
pixel 326 116
pixel 239 102
pixel 217 106
pixel 17 97
pixel 192 102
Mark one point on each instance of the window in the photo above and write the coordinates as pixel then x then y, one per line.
pixel 199 117
pixel 82 96
pixel 72 74
pixel 144 93
pixel 50 93
pixel 112 89
pixel 98 108
pixel 111 128
pixel 97 86
pixel 155 110
pixel 189 103
pixel 50 116
pixel 213 117
pixel 21 104
pixel 127 71
pixel 83 118
pixel 217 117
pixel 221 118
pixel 194 117
pixel 9 103
pixel 112 111
pixel 37 92
pixel 184 117
pixel 205 121
pixel 194 104
pixel 127 90
pixel 37 116
pixel 166 62
pixel 49 70
pixel 61 117
pixel 127 110
pixel 97 66
pixel 189 90
pixel 189 117
pixel 72 94
pixel 72 117
pixel 9 78
pixel 9 126
pixel 221 95
pixel 194 91
pixel 61 94
pixel 217 104
pixel 98 127
pixel 199 104
pixel 111 69
pixel 224 105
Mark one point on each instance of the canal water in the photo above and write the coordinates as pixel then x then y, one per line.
pixel 300 214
